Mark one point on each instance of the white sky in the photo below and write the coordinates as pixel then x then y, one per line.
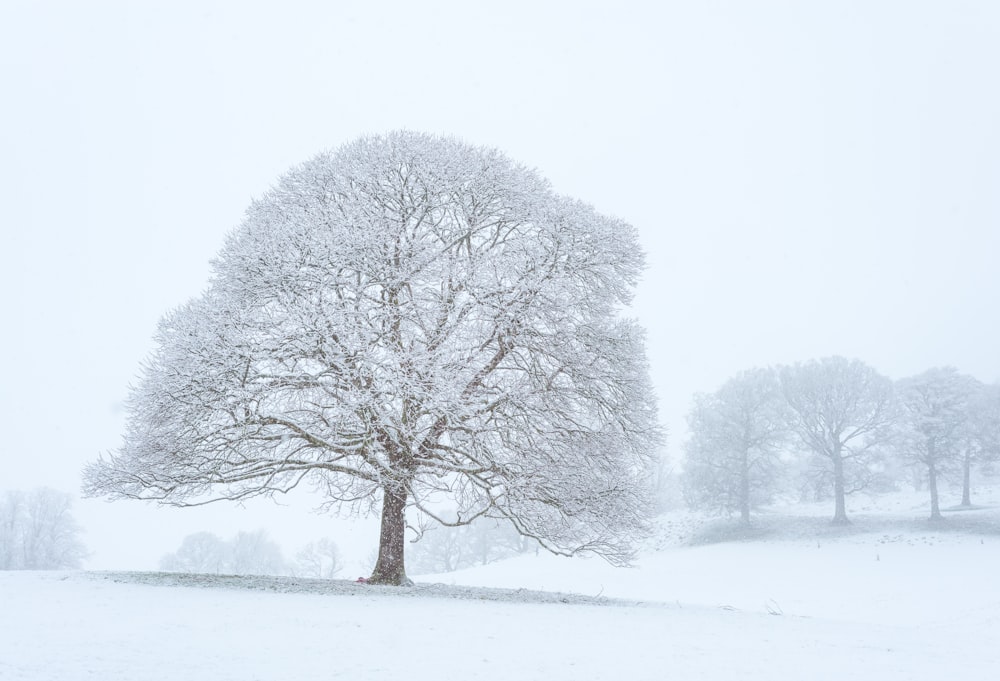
pixel 807 179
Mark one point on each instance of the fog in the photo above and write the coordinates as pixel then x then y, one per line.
pixel 807 180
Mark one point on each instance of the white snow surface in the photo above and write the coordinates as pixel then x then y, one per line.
pixel 893 597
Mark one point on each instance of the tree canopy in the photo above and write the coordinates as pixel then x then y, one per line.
pixel 406 320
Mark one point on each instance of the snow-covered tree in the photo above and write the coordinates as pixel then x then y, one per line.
pixel 254 553
pixel 248 553
pixel 405 319
pixel 983 444
pixel 737 433
pixel 449 548
pixel 201 552
pixel 841 411
pixel 934 428
pixel 37 531
pixel 667 485
pixel 440 549
pixel 319 560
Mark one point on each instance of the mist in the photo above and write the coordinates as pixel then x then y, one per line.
pixel 806 182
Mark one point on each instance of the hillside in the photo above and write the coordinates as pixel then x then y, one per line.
pixel 892 597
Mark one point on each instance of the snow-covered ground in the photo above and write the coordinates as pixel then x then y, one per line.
pixel 892 597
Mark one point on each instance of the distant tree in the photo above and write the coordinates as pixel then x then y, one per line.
pixel 934 429
pixel 983 445
pixel 841 411
pixel 448 548
pixel 318 560
pixel 201 552
pixel 406 318
pixel 737 434
pixel 667 486
pixel 10 530
pixel 37 531
pixel 490 540
pixel 440 549
pixel 253 553
pixel 248 553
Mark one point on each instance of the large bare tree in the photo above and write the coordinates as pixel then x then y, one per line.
pixel 404 320
pixel 841 411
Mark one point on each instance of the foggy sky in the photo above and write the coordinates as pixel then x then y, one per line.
pixel 807 179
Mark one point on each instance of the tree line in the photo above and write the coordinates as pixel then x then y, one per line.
pixel 842 427
pixel 252 553
pixel 434 549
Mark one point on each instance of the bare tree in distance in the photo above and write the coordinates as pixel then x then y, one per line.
pixel 983 445
pixel 405 319
pixel 319 560
pixel 247 553
pixel 737 436
pixel 841 411
pixel 668 492
pixel 254 553
pixel 934 428
pixel 448 548
pixel 440 549
pixel 37 531
pixel 201 552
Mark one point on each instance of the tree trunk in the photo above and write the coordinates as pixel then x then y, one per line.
pixel 745 491
pixel 840 512
pixel 967 479
pixel 932 483
pixel 390 568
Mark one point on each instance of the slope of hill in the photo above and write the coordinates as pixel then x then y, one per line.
pixel 892 597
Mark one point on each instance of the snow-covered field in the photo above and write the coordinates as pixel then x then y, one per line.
pixel 893 597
